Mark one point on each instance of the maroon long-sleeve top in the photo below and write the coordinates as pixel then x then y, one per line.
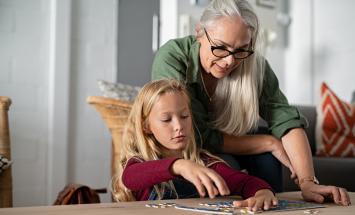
pixel 140 176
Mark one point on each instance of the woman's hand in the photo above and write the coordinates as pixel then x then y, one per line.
pixel 202 177
pixel 320 193
pixel 262 200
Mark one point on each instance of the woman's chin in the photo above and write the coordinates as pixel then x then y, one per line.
pixel 217 73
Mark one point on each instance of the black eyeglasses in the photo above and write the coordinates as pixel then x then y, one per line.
pixel 222 52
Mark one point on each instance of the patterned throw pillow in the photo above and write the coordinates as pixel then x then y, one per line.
pixel 119 91
pixel 335 126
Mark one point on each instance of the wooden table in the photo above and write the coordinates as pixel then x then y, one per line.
pixel 139 208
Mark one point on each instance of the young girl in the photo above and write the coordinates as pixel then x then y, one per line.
pixel 160 158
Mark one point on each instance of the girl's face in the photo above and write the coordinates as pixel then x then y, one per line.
pixel 229 32
pixel 170 123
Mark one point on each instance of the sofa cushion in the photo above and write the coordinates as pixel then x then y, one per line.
pixel 335 126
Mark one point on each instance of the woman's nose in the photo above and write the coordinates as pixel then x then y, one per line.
pixel 229 60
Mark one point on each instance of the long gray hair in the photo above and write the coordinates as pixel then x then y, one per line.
pixel 236 99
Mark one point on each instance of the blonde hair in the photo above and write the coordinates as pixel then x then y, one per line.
pixel 236 98
pixel 136 142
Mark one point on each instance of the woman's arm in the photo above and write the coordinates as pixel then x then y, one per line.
pixel 256 144
pixel 248 144
pixel 298 150
pixel 297 147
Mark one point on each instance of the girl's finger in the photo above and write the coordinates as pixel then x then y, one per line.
pixel 240 204
pixel 258 205
pixel 215 191
pixel 219 182
pixel 267 203
pixel 251 203
pixel 200 188
pixel 275 201
pixel 208 184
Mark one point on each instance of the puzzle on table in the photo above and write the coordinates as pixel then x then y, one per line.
pixel 283 205
pixel 226 207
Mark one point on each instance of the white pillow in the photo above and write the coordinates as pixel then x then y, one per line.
pixel 4 163
pixel 119 91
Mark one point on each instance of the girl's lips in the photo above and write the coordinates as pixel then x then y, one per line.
pixel 179 138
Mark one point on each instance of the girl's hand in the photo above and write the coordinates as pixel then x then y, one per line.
pixel 202 177
pixel 262 200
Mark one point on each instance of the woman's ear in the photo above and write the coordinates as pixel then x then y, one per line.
pixel 198 29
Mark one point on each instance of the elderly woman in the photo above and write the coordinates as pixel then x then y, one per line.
pixel 231 85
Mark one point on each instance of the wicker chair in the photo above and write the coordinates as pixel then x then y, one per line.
pixel 5 176
pixel 115 113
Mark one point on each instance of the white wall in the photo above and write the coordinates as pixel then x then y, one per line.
pixel 299 59
pixel 321 49
pixel 28 32
pixel 94 39
pixel 334 47
pixel 168 20
pixel 24 78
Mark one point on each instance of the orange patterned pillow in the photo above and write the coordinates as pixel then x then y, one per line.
pixel 335 126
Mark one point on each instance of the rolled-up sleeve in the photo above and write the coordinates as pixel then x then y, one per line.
pixel 275 109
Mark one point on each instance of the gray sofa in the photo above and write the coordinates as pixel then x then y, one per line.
pixel 329 170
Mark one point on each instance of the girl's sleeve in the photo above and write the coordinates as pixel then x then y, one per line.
pixel 138 175
pixel 240 183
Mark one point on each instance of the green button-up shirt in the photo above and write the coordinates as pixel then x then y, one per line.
pixel 179 59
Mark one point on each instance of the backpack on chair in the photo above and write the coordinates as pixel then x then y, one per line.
pixel 78 194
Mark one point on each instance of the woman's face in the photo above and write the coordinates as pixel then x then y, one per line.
pixel 170 123
pixel 230 32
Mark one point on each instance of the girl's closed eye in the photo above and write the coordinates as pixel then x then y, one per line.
pixel 185 116
pixel 165 119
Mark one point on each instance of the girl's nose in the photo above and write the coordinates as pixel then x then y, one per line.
pixel 178 125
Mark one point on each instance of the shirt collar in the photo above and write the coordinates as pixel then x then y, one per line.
pixel 194 67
